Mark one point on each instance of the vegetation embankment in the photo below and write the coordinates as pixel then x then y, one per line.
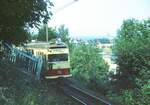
pixel 132 48
pixel 88 66
pixel 16 88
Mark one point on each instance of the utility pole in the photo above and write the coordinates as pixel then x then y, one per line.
pixel 46 26
pixel 61 8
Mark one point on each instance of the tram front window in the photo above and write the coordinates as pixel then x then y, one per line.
pixel 57 57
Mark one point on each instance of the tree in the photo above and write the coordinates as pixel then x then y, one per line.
pixel 132 48
pixel 52 33
pixel 87 64
pixel 63 33
pixel 17 36
pixel 17 15
pixel 60 32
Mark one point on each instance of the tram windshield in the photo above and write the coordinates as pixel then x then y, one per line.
pixel 57 57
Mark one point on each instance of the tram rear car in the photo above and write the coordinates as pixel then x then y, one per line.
pixel 56 62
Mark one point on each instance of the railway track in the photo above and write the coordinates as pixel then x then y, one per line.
pixel 84 97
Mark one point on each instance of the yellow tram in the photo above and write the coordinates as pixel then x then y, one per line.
pixel 56 62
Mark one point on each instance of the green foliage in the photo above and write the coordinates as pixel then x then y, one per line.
pixel 17 88
pixel 17 36
pixel 127 97
pixel 135 97
pixel 146 88
pixel 63 33
pixel 87 64
pixel 16 16
pixel 132 48
pixel 30 99
pixel 52 33
pixel 130 97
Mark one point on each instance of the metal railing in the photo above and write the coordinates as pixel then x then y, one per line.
pixel 31 64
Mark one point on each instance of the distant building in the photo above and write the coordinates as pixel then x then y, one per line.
pixel 108 59
pixel 107 55
pixel 105 45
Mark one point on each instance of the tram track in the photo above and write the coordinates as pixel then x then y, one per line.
pixel 84 97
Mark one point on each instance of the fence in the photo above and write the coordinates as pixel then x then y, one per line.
pixel 30 64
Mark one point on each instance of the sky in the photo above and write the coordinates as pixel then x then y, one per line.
pixel 97 18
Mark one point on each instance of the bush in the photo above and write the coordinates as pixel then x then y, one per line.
pixel 87 64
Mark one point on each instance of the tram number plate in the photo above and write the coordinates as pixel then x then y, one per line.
pixel 58 50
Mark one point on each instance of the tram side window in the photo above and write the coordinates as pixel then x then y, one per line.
pixel 57 57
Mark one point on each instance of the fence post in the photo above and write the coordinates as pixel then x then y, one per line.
pixel 39 68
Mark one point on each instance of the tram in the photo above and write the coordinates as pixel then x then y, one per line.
pixel 56 62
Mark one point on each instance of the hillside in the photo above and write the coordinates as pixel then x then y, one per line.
pixel 16 88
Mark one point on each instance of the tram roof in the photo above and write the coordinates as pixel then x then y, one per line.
pixel 46 45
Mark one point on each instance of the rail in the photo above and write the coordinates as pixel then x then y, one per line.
pixel 84 97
